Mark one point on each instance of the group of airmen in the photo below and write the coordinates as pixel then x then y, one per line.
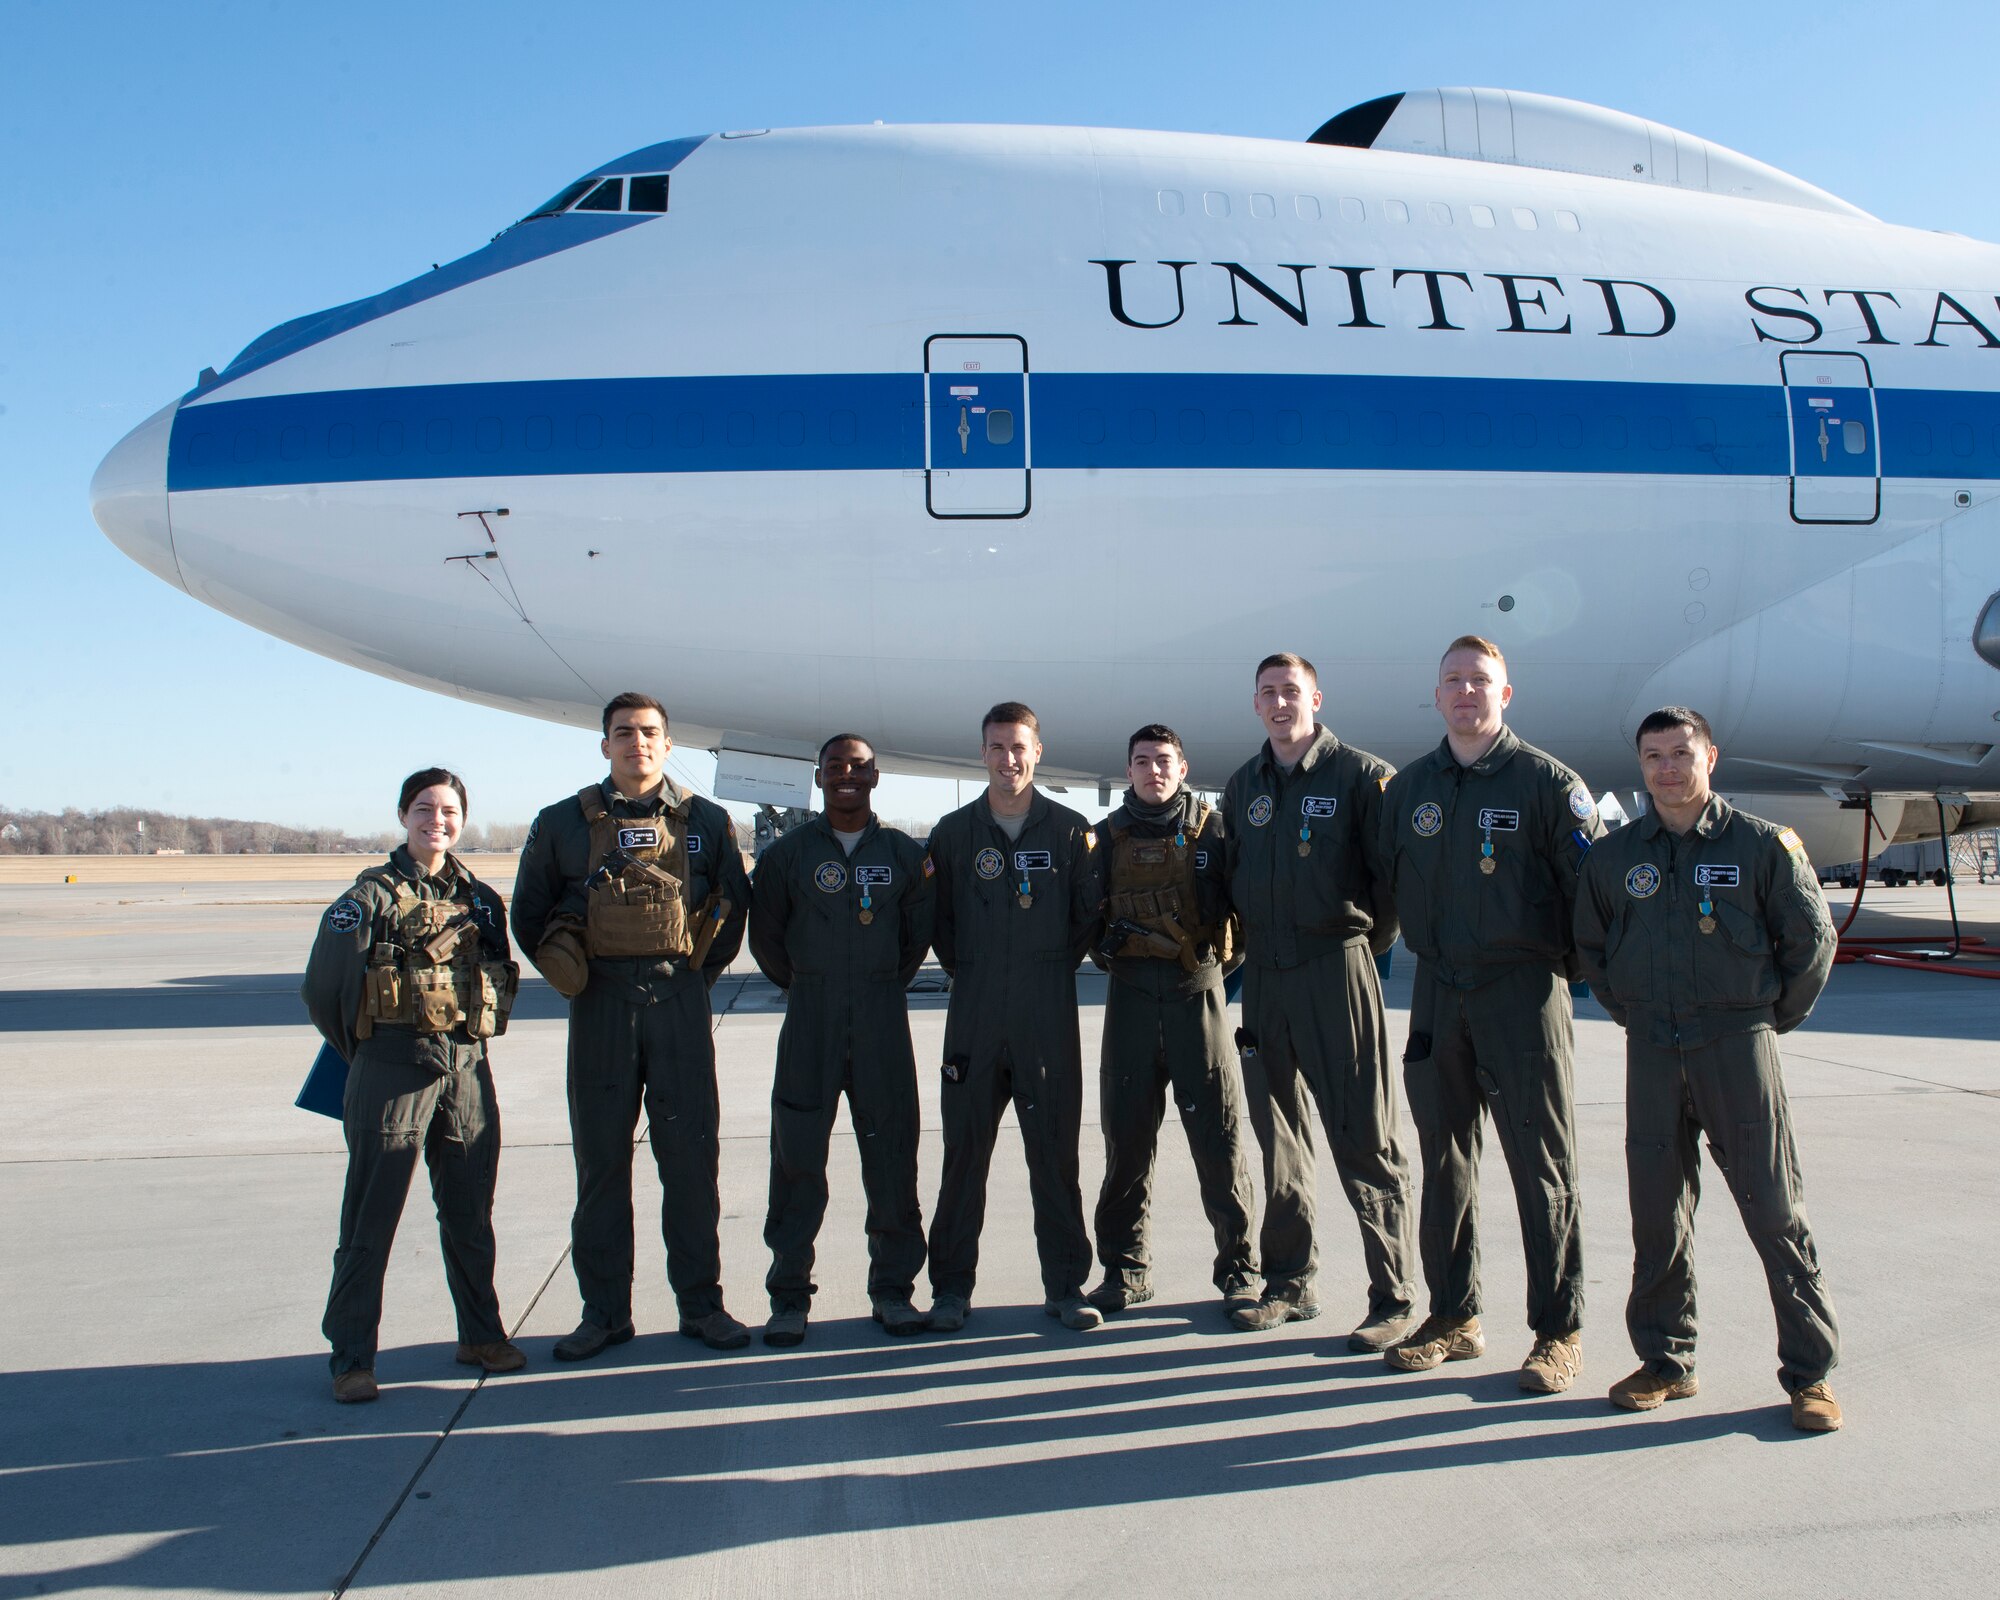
pixel 1699 927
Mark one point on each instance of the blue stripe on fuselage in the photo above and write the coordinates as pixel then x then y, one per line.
pixel 873 422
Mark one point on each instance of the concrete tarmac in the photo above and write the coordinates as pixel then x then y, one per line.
pixel 167 1426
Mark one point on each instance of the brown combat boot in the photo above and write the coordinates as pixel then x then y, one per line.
pixel 1436 1341
pixel 1814 1409
pixel 502 1355
pixel 1553 1364
pixel 1648 1391
pixel 355 1385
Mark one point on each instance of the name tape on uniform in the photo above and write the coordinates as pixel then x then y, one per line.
pixel 872 877
pixel 1718 875
pixel 1033 861
pixel 646 838
pixel 1496 820
pixel 1319 806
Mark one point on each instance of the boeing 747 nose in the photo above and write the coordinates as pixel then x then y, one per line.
pixel 128 496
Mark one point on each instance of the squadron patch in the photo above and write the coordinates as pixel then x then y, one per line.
pixel 989 863
pixel 645 838
pixel 1790 840
pixel 344 916
pixel 1427 819
pixel 1496 820
pixel 1319 806
pixel 1260 811
pixel 872 877
pixel 831 876
pixel 1581 806
pixel 1643 881
pixel 1033 861
pixel 1717 875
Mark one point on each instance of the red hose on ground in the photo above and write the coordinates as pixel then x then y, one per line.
pixel 1848 951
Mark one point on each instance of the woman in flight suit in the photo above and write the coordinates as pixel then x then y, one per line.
pixel 408 979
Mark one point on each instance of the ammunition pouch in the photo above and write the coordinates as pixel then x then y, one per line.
pixel 429 977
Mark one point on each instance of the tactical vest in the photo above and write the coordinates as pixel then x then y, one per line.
pixel 1153 887
pixel 427 974
pixel 635 904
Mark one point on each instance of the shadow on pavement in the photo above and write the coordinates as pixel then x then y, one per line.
pixel 244 1476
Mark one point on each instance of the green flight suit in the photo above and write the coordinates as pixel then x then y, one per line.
pixel 640 1033
pixel 843 935
pixel 1490 1017
pixel 1704 946
pixel 1167 1027
pixel 408 1093
pixel 1011 1032
pixel 1312 1009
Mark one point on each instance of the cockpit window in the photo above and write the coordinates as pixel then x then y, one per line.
pixel 562 202
pixel 648 193
pixel 607 196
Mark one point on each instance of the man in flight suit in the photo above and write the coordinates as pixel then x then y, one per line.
pixel 1703 931
pixel 1167 946
pixel 1302 815
pixel 631 897
pixel 1017 905
pixel 1482 840
pixel 840 918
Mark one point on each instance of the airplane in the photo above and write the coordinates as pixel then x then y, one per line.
pixel 871 427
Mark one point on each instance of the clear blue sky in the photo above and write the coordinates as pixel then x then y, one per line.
pixel 176 178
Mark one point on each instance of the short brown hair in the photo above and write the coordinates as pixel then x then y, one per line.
pixel 632 700
pixel 1285 658
pixel 1472 641
pixel 1009 711
pixel 1154 733
pixel 1675 717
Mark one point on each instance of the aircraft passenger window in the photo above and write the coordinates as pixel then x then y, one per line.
pixel 1525 219
pixel 1482 216
pixel 1395 211
pixel 561 202
pixel 1215 204
pixel 607 196
pixel 1854 438
pixel 1441 213
pixel 1567 221
pixel 1263 206
pixel 1307 206
pixel 1351 209
pixel 648 193
pixel 1000 427
pixel 1171 203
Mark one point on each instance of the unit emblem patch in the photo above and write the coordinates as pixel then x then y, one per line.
pixel 831 876
pixel 1260 811
pixel 1495 820
pixel 1319 806
pixel 1427 819
pixel 344 916
pixel 1717 875
pixel 989 863
pixel 643 838
pixel 1581 806
pixel 1643 881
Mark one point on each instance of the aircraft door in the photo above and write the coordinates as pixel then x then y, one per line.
pixel 1836 454
pixel 976 460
